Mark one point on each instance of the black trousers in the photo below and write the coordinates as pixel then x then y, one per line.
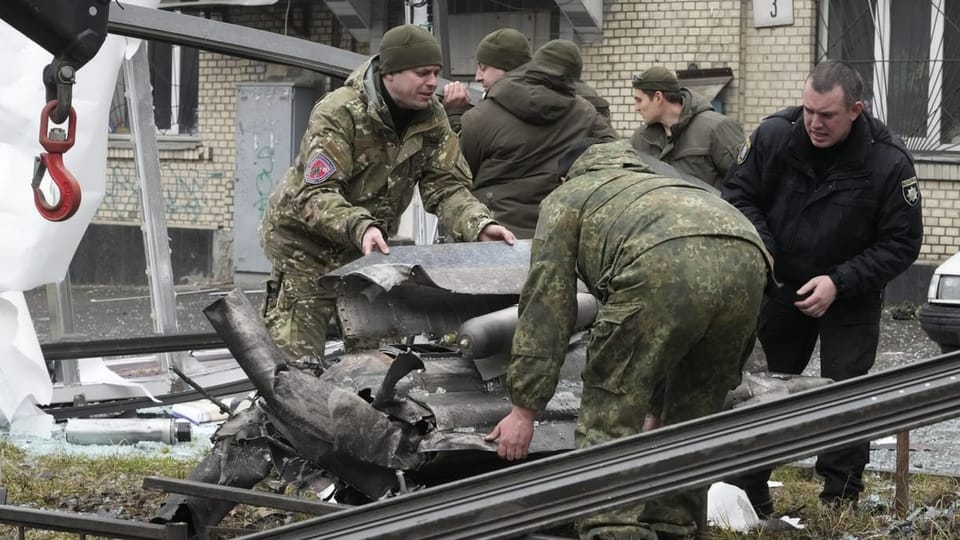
pixel 849 334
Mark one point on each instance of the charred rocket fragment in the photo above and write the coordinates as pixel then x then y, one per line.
pixel 402 416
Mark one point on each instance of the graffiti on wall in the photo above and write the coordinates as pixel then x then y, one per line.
pixel 264 181
pixel 190 195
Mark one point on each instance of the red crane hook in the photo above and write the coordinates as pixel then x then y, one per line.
pixel 56 141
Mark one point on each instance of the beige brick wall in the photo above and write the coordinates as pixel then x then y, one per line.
pixel 640 33
pixel 775 63
pixel 769 65
pixel 941 211
pixel 198 182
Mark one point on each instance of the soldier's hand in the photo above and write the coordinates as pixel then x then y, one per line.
pixel 455 95
pixel 494 232
pixel 373 239
pixel 820 293
pixel 514 432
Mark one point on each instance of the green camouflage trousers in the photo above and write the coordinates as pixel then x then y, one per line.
pixel 685 324
pixel 298 317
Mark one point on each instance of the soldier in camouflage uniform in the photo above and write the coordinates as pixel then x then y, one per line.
pixel 366 147
pixel 680 275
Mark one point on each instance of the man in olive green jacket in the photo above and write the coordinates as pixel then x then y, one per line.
pixel 497 53
pixel 649 248
pixel 514 138
pixel 682 128
pixel 367 145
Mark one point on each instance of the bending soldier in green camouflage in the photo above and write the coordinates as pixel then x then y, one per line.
pixel 366 147
pixel 680 275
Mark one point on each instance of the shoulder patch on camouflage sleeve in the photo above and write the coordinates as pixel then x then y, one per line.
pixel 744 151
pixel 319 168
pixel 911 190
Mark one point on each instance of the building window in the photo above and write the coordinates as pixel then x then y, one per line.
pixel 175 77
pixel 908 52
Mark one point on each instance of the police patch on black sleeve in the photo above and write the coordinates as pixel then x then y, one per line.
pixel 744 152
pixel 911 190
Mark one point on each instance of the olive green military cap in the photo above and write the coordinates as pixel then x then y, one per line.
pixel 506 49
pixel 657 78
pixel 562 55
pixel 408 46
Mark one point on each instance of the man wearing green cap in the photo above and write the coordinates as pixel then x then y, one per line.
pixel 514 138
pixel 498 53
pixel 367 145
pixel 682 128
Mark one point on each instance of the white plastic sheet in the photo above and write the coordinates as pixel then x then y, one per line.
pixel 729 508
pixel 34 251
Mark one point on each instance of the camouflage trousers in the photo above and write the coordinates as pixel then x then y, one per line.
pixel 298 316
pixel 686 325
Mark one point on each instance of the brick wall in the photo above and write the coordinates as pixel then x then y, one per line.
pixel 769 65
pixel 639 34
pixel 775 63
pixel 198 172
pixel 941 213
pixel 197 181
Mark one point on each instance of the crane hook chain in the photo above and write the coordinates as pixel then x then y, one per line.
pixel 56 141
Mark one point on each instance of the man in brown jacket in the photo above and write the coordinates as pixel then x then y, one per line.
pixel 514 138
pixel 497 53
pixel 682 129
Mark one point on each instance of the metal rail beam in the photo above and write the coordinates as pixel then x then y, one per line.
pixel 156 239
pixel 106 407
pixel 559 489
pixel 235 40
pixel 241 496
pixel 84 524
pixel 230 39
pixel 69 350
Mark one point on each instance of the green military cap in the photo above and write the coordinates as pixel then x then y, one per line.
pixel 408 46
pixel 657 78
pixel 562 55
pixel 506 49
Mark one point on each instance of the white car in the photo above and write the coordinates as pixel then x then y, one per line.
pixel 940 316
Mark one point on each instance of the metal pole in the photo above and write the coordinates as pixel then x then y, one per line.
pixel 136 72
pixel 60 303
pixel 441 29
pixel 902 475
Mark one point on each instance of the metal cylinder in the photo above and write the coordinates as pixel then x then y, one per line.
pixel 492 333
pixel 125 430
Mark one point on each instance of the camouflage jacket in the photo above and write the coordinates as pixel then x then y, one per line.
pixel 595 227
pixel 354 171
pixel 703 143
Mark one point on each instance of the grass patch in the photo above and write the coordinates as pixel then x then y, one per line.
pixel 874 517
pixel 111 486
pixel 108 486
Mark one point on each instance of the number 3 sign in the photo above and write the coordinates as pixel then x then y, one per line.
pixel 772 13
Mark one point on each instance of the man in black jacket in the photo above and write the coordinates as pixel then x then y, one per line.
pixel 835 198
